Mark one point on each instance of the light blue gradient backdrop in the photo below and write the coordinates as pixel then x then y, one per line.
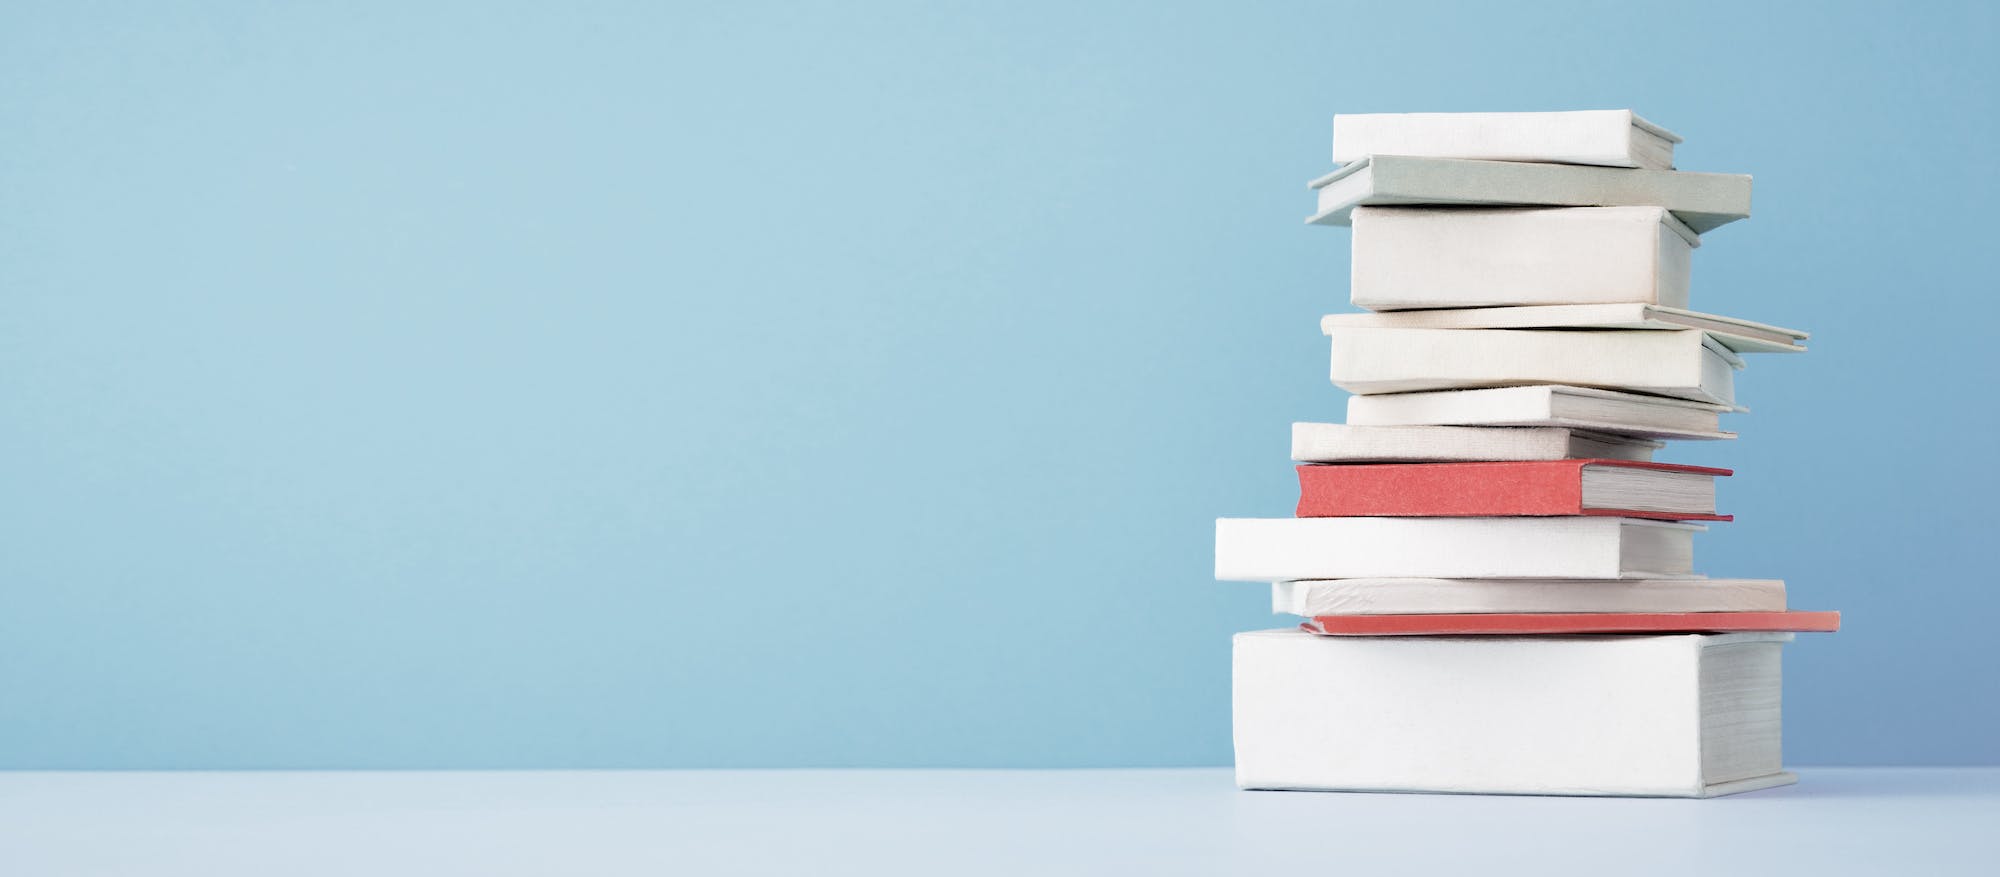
pixel 850 384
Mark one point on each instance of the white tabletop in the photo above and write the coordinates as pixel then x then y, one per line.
pixel 1837 820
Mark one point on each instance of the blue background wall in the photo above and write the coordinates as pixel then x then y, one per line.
pixel 818 385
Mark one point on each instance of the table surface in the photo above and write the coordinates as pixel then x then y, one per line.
pixel 1836 820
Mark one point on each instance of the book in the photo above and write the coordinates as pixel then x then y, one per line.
pixel 1613 138
pixel 1395 596
pixel 1618 488
pixel 1604 411
pixel 1739 336
pixel 1702 201
pixel 1276 549
pixel 1470 257
pixel 1686 715
pixel 1346 443
pixel 1683 364
pixel 1547 624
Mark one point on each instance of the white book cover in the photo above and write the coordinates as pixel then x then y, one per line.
pixel 1346 443
pixel 1392 596
pixel 1584 547
pixel 1684 364
pixel 1614 138
pixel 1608 411
pixel 1474 257
pixel 1702 201
pixel 1739 336
pixel 1686 715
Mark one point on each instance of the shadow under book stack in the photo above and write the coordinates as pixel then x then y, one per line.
pixel 1497 578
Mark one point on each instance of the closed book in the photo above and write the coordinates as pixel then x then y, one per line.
pixel 1685 364
pixel 1404 596
pixel 1614 138
pixel 1684 715
pixel 1275 549
pixel 1346 443
pixel 1702 201
pixel 1462 257
pixel 1739 336
pixel 1618 488
pixel 1554 624
pixel 1607 411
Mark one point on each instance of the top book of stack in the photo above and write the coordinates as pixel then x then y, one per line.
pixel 1611 138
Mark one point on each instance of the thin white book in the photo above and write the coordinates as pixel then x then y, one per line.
pixel 1740 336
pixel 1613 138
pixel 1684 364
pixel 1607 411
pixel 1700 200
pixel 1685 715
pixel 1473 257
pixel 1346 443
pixel 1403 596
pixel 1584 547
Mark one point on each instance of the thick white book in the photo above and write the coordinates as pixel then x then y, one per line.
pixel 1685 364
pixel 1740 336
pixel 1282 549
pixel 1685 715
pixel 1613 138
pixel 1607 411
pixel 1346 443
pixel 1702 201
pixel 1396 596
pixel 1473 257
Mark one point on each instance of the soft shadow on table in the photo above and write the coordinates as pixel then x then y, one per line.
pixel 1835 783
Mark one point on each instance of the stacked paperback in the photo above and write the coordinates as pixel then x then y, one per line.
pixel 1497 578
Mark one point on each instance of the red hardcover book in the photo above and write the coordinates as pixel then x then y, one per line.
pixel 1540 488
pixel 1516 624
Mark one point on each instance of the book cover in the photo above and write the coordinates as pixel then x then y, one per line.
pixel 1406 596
pixel 1685 715
pixel 1613 138
pixel 1539 624
pixel 1468 257
pixel 1702 201
pixel 1501 489
pixel 1740 336
pixel 1683 364
pixel 1575 547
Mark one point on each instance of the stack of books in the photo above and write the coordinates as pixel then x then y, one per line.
pixel 1497 577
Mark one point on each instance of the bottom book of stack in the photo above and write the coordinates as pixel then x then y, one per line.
pixel 1681 715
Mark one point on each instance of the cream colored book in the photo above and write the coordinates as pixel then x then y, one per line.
pixel 1701 201
pixel 1471 257
pixel 1614 138
pixel 1347 443
pixel 1740 336
pixel 1607 411
pixel 1582 547
pixel 1683 715
pixel 1685 364
pixel 1396 596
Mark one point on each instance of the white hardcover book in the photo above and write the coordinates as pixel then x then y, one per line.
pixel 1346 443
pixel 1471 257
pixel 1701 201
pixel 1385 596
pixel 1685 715
pixel 1607 411
pixel 1613 138
pixel 1683 364
pixel 1740 336
pixel 1281 549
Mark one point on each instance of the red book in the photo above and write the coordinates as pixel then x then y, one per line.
pixel 1582 622
pixel 1619 488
